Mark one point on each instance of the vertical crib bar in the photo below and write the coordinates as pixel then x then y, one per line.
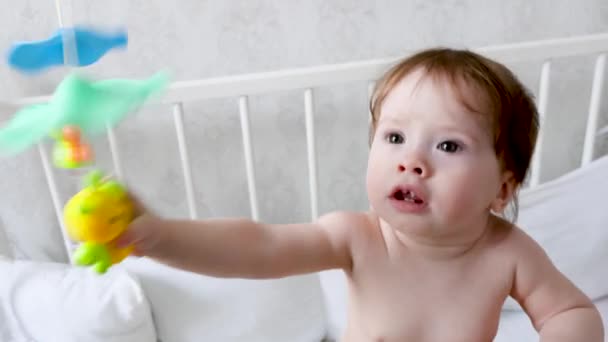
pixel 114 153
pixel 50 180
pixel 248 150
pixel 312 154
pixel 543 99
pixel 178 118
pixel 594 109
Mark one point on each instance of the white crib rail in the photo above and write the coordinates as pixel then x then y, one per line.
pixel 178 118
pixel 321 76
pixel 594 109
pixel 312 154
pixel 248 150
pixel 55 198
pixel 307 79
pixel 118 170
pixel 543 100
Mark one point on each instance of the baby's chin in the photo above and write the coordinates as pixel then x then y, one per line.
pixel 415 226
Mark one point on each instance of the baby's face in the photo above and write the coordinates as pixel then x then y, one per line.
pixel 432 167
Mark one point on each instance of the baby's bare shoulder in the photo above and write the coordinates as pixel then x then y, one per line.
pixel 346 229
pixel 349 225
pixel 510 238
pixel 345 220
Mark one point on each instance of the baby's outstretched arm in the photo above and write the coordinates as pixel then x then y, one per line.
pixel 243 248
pixel 558 309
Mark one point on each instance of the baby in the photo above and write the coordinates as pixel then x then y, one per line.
pixel 452 135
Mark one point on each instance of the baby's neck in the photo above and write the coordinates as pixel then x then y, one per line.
pixel 435 247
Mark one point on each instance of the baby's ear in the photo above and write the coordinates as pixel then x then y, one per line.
pixel 505 193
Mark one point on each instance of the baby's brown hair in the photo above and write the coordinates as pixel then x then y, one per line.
pixel 503 100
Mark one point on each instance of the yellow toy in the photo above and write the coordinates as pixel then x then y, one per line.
pixel 95 217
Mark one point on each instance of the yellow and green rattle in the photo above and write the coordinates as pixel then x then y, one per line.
pixel 95 217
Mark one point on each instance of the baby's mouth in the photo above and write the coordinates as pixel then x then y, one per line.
pixel 407 195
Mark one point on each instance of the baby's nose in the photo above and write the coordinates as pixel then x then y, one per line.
pixel 417 169
pixel 414 165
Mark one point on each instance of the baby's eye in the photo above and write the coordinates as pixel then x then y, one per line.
pixel 395 138
pixel 449 146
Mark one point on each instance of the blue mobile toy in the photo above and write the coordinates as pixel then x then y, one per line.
pixel 91 45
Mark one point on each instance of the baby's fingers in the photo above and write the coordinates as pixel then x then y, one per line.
pixel 127 238
pixel 142 234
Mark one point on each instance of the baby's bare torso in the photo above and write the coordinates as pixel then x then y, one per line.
pixel 398 296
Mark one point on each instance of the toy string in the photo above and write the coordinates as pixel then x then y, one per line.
pixel 64 16
pixel 70 54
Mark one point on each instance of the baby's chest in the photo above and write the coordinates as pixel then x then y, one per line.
pixel 429 305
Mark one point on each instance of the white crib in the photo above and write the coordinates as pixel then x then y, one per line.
pixel 187 307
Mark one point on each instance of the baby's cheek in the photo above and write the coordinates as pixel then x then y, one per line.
pixel 370 184
pixel 374 186
pixel 457 184
pixel 470 191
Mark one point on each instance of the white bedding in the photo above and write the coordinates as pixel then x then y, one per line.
pixel 44 301
pixel 189 307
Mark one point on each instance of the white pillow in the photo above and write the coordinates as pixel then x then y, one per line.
pixel 57 302
pixel 568 217
pixel 189 307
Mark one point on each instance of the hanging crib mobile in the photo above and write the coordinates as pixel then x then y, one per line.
pixel 79 109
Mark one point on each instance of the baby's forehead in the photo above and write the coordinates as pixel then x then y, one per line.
pixel 442 91
pixel 438 89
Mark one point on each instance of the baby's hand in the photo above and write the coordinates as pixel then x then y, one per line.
pixel 144 232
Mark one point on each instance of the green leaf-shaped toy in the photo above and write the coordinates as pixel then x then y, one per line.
pixel 93 254
pixel 77 101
